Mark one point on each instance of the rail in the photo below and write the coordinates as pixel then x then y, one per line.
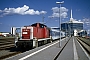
pixel 85 44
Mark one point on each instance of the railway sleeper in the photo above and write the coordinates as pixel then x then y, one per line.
pixel 4 46
pixel 6 43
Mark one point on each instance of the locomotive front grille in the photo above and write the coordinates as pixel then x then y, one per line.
pixel 24 43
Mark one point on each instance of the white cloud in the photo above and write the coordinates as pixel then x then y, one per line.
pixel 30 11
pixel 43 12
pixel 20 10
pixel 37 12
pixel 86 20
pixel 63 11
pixel 0 10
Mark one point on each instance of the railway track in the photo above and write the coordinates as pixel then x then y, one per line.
pixel 85 43
pixel 7 48
pixel 8 54
pixel 85 40
pixel 6 43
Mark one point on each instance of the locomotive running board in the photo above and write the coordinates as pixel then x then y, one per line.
pixel 43 39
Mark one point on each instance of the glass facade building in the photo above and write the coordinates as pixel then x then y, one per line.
pixel 69 27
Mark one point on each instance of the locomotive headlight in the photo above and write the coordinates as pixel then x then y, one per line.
pixel 16 39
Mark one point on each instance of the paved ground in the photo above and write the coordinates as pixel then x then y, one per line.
pixel 67 53
pixel 72 51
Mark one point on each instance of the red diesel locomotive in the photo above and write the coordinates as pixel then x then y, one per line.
pixel 31 35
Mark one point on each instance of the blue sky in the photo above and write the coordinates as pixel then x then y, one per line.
pixel 26 12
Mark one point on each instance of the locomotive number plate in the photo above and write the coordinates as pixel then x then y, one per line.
pixel 24 32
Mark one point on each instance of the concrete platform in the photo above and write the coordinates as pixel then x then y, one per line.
pixel 73 51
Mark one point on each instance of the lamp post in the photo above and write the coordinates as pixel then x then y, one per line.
pixel 60 20
pixel 65 31
pixel 43 18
